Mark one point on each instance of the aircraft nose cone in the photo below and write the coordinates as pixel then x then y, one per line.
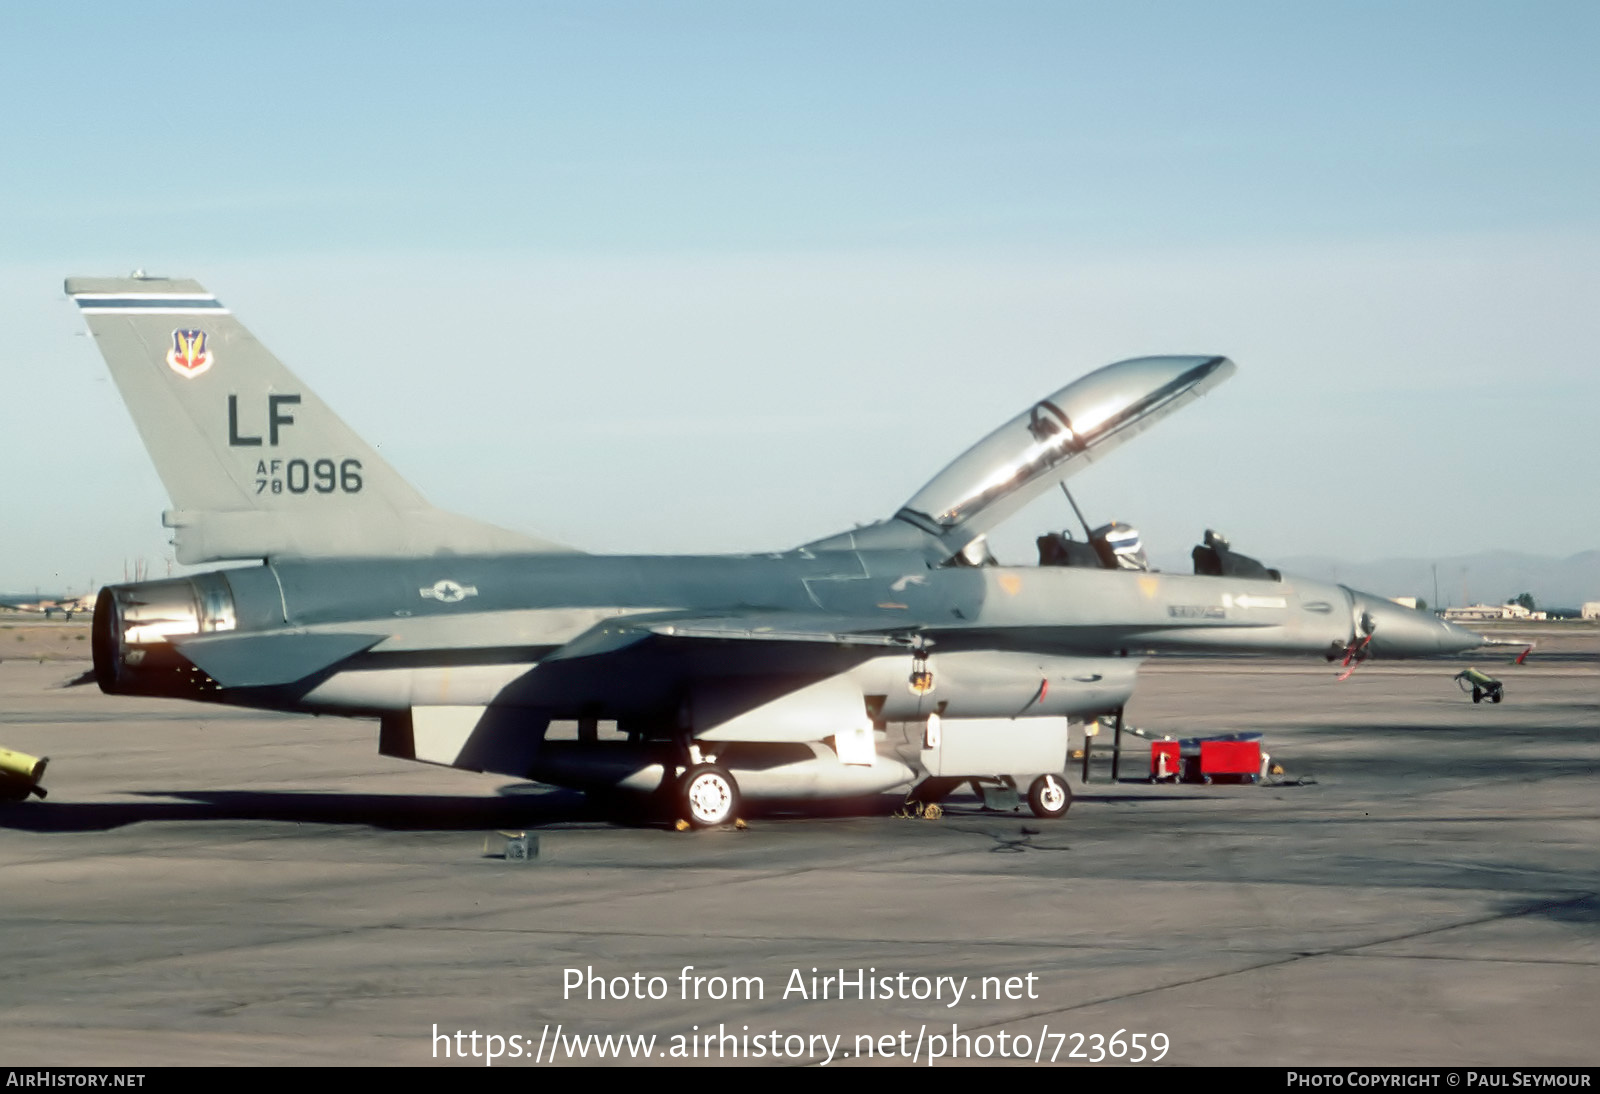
pixel 1398 631
pixel 1457 639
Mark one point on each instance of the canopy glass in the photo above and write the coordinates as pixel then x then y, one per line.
pixel 1047 442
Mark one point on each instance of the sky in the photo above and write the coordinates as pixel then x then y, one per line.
pixel 708 277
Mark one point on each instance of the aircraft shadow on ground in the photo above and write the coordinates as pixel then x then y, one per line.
pixel 1585 911
pixel 514 807
pixel 1429 752
pixel 1582 910
pixel 398 812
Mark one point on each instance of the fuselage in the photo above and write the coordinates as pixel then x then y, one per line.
pixel 474 630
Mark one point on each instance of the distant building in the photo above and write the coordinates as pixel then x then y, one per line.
pixel 1591 609
pixel 1477 613
pixel 1484 613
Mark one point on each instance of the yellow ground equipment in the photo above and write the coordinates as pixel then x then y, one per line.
pixel 20 775
pixel 1481 684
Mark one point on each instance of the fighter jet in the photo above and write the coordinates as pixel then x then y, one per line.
pixel 898 654
pixel 68 606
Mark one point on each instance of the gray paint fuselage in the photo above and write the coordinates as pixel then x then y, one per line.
pixel 502 615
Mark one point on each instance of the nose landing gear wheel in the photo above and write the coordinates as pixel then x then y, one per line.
pixel 708 795
pixel 1049 796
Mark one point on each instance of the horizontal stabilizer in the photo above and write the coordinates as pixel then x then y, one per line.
pixel 266 660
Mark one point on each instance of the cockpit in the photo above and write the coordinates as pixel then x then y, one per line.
pixel 1045 444
pixel 1114 546
pixel 1039 450
pixel 1117 546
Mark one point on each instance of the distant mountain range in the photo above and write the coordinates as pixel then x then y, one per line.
pixel 1492 577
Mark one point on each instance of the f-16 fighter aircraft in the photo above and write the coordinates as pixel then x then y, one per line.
pixel 68 606
pixel 894 655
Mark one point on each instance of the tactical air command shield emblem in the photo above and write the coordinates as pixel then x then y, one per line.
pixel 189 355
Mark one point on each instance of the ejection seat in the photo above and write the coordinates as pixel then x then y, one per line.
pixel 1114 546
pixel 1060 549
pixel 1215 558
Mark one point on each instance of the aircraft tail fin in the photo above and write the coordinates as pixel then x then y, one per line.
pixel 255 464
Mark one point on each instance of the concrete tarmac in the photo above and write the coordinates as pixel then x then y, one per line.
pixel 213 886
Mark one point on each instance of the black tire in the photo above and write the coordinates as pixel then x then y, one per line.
pixel 1495 696
pixel 708 795
pixel 1477 695
pixel 1050 797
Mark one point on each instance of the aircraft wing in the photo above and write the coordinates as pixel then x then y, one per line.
pixel 621 633
pixel 642 665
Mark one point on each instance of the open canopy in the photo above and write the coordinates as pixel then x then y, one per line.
pixel 1053 438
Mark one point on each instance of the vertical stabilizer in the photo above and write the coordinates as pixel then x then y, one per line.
pixel 255 464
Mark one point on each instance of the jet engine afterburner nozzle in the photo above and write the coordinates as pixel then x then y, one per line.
pixel 133 625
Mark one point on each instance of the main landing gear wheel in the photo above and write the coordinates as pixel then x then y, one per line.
pixel 1049 796
pixel 709 796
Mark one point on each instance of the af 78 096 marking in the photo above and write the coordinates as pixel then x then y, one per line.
pixel 299 476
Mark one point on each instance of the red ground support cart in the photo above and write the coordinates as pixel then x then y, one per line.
pixel 1165 763
pixel 1232 756
pixel 1239 759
